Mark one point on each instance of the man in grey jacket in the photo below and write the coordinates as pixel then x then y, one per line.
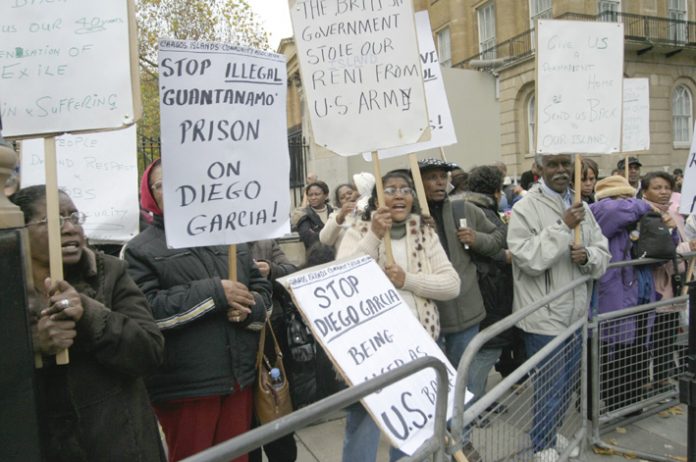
pixel 459 317
pixel 544 258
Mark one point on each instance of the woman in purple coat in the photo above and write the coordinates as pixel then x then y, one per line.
pixel 616 212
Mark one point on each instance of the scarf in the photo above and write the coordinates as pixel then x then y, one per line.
pixel 566 197
pixel 398 230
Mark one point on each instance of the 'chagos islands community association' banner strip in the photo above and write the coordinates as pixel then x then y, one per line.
pixel 223 124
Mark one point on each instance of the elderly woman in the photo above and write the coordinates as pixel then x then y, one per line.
pixel 421 273
pixel 617 212
pixel 96 407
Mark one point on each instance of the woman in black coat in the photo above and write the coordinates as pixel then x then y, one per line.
pixel 96 407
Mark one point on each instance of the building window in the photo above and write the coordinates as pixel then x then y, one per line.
pixel 682 119
pixel 444 47
pixel 486 26
pixel 539 9
pixel 677 23
pixel 609 10
pixel 531 125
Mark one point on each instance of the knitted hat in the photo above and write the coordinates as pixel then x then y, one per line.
pixel 612 186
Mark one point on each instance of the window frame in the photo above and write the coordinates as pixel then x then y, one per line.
pixel 488 23
pixel 684 103
pixel 440 56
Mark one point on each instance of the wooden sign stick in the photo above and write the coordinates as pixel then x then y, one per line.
pixel 418 183
pixel 626 166
pixel 578 191
pixel 232 262
pixel 380 202
pixel 55 252
pixel 442 154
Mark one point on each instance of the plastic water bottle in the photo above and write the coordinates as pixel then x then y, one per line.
pixel 276 378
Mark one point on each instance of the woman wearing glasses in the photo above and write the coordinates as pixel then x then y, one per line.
pixel 96 407
pixel 421 272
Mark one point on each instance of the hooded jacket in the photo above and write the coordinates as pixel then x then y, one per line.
pixel 205 354
pixel 540 243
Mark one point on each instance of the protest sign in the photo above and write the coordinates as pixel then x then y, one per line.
pixel 225 161
pixel 100 173
pixel 687 205
pixel 366 328
pixel 578 87
pixel 66 66
pixel 441 125
pixel 361 73
pixel 636 115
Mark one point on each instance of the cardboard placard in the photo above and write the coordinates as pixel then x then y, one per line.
pixel 636 115
pixel 225 160
pixel 579 87
pixel 360 69
pixel 687 205
pixel 366 328
pixel 441 125
pixel 67 66
pixel 99 171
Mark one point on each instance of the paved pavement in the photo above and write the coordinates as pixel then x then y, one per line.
pixel 664 434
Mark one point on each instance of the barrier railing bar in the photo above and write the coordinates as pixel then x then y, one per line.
pixel 638 308
pixel 488 333
pixel 648 261
pixel 271 431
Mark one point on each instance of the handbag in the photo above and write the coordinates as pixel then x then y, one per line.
pixel 272 393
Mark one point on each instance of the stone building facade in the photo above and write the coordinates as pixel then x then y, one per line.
pixel 497 36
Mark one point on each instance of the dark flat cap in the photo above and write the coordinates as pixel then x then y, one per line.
pixel 631 161
pixel 432 163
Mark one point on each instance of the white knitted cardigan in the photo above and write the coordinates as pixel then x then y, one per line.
pixel 429 273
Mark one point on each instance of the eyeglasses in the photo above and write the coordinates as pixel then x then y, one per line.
pixel 404 191
pixel 76 218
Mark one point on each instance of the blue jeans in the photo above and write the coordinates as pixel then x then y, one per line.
pixel 553 387
pixel 361 440
pixel 456 343
pixel 483 362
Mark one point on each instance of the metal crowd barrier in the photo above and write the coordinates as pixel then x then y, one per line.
pixel 433 447
pixel 637 357
pixel 499 424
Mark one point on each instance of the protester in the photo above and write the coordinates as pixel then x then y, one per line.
pixel 315 214
pixel 494 275
pixel 460 316
pixel 540 237
pixel 96 407
pixel 623 374
pixel 590 173
pixel 273 264
pixel 657 190
pixel 421 273
pixel 634 166
pixel 678 175
pixel 202 393
pixel 460 181
pixel 342 217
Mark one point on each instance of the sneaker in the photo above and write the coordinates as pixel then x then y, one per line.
pixel 562 444
pixel 547 455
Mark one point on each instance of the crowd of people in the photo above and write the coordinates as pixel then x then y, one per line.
pixel 165 337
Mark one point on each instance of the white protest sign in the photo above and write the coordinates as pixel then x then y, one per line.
pixel 225 162
pixel 636 115
pixel 441 125
pixel 65 65
pixel 687 206
pixel 366 328
pixel 361 73
pixel 99 171
pixel 578 87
